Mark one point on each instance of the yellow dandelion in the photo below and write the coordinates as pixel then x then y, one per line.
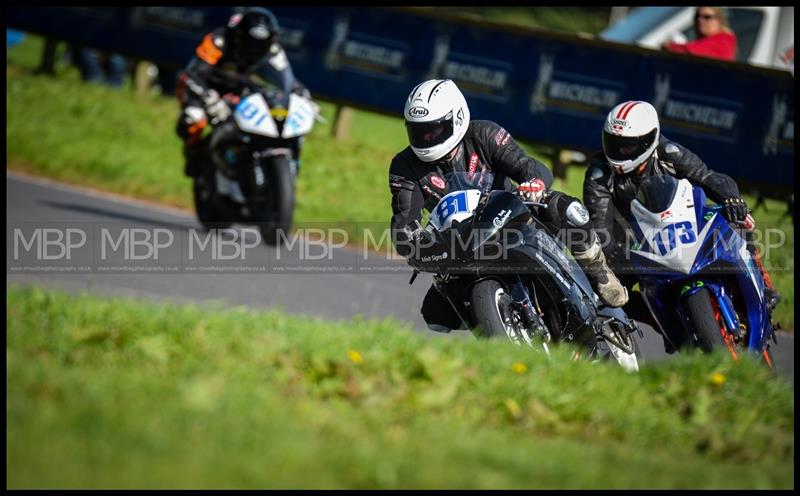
pixel 513 408
pixel 519 368
pixel 718 378
pixel 355 356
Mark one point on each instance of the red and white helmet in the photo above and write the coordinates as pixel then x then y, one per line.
pixel 437 118
pixel 630 135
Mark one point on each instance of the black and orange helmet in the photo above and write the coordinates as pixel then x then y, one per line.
pixel 250 35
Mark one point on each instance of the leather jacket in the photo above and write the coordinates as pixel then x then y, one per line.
pixel 415 184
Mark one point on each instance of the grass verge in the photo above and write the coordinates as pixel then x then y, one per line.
pixel 113 393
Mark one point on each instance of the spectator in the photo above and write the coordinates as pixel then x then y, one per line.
pixel 97 67
pixel 786 58
pixel 167 79
pixel 713 37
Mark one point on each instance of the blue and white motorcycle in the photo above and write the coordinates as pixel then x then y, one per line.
pixel 695 273
pixel 253 151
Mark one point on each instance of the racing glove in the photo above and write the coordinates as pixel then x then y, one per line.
pixel 424 249
pixel 734 209
pixel 421 237
pixel 302 91
pixel 532 191
pixel 216 108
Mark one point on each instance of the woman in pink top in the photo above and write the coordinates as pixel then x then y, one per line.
pixel 714 38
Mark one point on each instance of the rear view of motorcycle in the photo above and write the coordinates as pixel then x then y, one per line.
pixel 253 151
pixel 506 276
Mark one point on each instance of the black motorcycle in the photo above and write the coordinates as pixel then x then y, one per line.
pixel 251 177
pixel 505 275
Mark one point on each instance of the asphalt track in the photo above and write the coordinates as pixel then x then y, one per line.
pixel 345 283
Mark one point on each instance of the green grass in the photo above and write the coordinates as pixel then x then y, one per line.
pixel 112 393
pixel 96 136
pixel 589 20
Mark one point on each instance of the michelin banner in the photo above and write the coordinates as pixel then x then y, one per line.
pixel 543 87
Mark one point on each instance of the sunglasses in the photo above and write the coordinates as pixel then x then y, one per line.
pixel 705 17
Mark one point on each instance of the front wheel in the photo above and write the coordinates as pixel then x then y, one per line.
pixel 211 211
pixel 494 314
pixel 280 200
pixel 705 322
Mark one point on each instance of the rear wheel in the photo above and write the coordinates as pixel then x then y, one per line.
pixel 280 211
pixel 706 323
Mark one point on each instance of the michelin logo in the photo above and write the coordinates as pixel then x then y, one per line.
pixel 548 90
pixel 700 114
pixel 483 76
pixel 375 54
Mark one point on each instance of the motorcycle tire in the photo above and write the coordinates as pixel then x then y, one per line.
pixel 281 201
pixel 703 323
pixel 211 212
pixel 490 306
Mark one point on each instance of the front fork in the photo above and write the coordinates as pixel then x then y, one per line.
pixel 732 331
pixel 529 310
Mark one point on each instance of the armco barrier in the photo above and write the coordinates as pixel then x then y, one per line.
pixel 541 86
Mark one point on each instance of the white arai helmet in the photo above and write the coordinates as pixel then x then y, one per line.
pixel 630 135
pixel 437 118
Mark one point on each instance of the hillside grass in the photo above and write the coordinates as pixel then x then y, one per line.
pixel 589 20
pixel 118 393
pixel 96 136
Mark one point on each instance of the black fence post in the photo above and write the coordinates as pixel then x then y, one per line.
pixel 48 62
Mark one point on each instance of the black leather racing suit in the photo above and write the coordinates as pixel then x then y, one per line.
pixel 213 67
pixel 415 185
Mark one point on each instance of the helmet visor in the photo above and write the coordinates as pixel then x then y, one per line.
pixel 627 147
pixel 431 133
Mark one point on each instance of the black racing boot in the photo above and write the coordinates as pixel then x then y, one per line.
pixel 772 296
pixel 194 156
pixel 608 287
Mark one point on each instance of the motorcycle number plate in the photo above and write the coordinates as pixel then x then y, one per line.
pixel 457 205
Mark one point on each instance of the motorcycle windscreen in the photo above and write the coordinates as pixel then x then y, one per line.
pixel 657 192
pixel 462 180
